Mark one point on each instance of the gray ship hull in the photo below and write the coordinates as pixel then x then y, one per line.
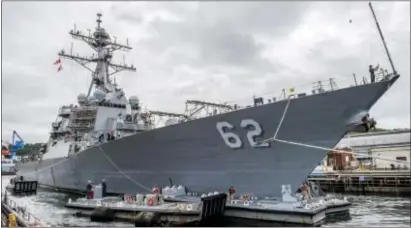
pixel 195 155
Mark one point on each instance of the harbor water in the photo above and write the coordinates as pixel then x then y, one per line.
pixel 378 211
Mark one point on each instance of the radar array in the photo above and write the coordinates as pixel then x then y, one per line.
pixel 104 47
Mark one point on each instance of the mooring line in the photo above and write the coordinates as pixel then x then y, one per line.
pixel 327 149
pixel 107 157
pixel 47 167
pixel 124 174
pixel 282 118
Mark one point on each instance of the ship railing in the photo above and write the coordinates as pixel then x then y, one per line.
pixel 60 131
pixel 379 76
pixel 396 170
pixel 80 125
pixel 85 108
pixel 82 122
pixel 84 113
pixel 310 89
pixel 126 126
pixel 21 212
pixel 76 120
pixel 83 117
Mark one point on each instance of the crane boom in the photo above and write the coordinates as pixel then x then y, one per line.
pixel 16 144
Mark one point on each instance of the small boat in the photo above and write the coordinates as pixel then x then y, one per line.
pixel 8 167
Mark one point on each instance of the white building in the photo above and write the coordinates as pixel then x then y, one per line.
pixel 393 145
pixel 400 153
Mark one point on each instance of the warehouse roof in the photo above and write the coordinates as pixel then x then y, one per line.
pixel 376 139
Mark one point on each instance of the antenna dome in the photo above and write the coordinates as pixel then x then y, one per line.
pixel 81 98
pixel 133 100
pixel 99 95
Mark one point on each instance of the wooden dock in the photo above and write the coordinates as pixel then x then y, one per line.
pixel 394 182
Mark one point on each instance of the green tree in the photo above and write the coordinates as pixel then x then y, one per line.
pixel 29 148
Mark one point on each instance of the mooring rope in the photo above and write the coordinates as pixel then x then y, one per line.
pixel 282 117
pixel 274 138
pixel 121 171
pixel 46 167
pixel 327 149
pixel 107 157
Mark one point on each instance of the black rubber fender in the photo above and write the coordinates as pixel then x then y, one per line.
pixel 101 214
pixel 147 219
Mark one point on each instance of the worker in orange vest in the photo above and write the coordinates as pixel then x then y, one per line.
pixel 90 192
pixel 231 192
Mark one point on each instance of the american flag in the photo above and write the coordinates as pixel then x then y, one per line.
pixel 57 61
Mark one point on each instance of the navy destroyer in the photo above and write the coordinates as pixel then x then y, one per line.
pixel 107 136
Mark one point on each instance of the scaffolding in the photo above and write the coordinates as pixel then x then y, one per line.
pixel 155 118
pixel 198 109
pixel 83 118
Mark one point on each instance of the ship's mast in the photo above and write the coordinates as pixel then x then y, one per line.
pixel 104 47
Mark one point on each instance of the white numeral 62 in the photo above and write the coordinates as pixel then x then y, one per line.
pixel 232 140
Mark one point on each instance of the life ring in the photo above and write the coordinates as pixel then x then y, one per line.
pixel 190 207
pixel 150 202
pixel 98 203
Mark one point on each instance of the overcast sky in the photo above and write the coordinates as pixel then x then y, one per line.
pixel 212 51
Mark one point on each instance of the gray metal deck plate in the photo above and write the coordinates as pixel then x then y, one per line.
pixel 133 207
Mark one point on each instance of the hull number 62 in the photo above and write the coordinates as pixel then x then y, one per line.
pixel 234 141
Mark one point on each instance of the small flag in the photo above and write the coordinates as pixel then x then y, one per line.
pixel 57 61
pixel 60 68
pixel 291 90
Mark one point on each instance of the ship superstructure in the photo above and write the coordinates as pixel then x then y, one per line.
pixel 104 113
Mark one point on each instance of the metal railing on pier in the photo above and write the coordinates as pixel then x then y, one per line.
pixel 24 218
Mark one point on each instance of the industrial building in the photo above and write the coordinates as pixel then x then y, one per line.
pixel 391 145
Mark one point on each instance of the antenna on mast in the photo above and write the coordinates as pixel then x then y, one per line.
pixel 383 41
pixel 103 47
pixel 99 20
